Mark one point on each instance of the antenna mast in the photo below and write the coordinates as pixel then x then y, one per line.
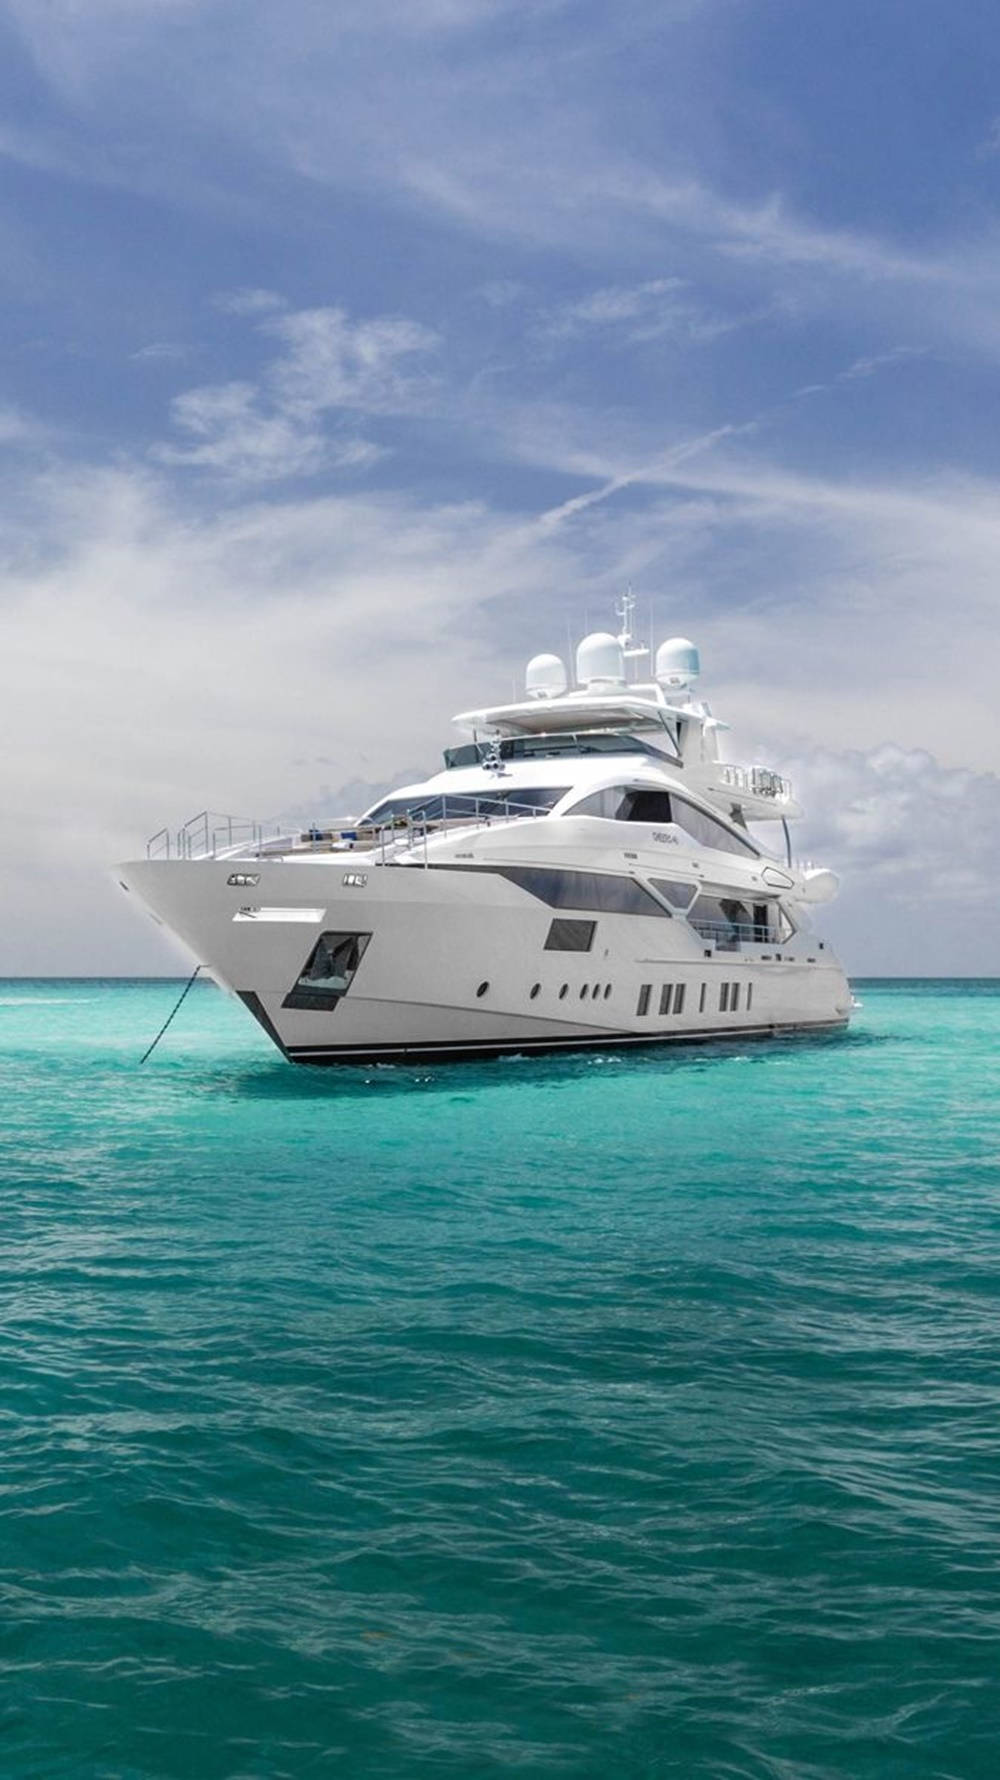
pixel 631 650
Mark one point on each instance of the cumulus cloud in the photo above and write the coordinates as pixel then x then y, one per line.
pixel 164 664
pixel 917 846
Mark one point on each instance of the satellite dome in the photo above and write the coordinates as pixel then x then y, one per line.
pixel 600 662
pixel 545 677
pixel 677 664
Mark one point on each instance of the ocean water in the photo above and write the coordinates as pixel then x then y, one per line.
pixel 628 1416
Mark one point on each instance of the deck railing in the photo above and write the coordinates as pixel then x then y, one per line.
pixel 756 781
pixel 210 835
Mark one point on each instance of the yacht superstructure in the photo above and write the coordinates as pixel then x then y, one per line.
pixel 580 874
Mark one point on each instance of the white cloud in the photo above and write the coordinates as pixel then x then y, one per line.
pixel 164 664
pixel 366 366
pixel 276 428
pixel 917 846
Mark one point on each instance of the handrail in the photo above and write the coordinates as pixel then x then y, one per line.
pixel 758 781
pixel 213 836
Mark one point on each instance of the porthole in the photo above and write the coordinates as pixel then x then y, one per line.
pixel 595 991
pixel 583 991
pixel 564 991
pixel 607 990
pixel 481 991
pixel 535 990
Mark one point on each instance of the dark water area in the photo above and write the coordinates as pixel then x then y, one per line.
pixel 629 1414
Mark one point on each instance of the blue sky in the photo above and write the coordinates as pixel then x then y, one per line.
pixel 352 352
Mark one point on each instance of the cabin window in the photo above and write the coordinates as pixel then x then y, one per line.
pixel 674 891
pixel 624 803
pixel 606 803
pixel 749 996
pixel 621 803
pixel 328 971
pixel 583 890
pixel 494 801
pixel 570 936
pixel 704 829
pixel 642 1006
pixel 734 998
pixel 723 998
pixel 646 806
pixel 701 998
pixel 725 920
pixel 554 745
pixel 678 998
pixel 666 997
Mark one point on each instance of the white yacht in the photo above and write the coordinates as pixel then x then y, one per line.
pixel 582 873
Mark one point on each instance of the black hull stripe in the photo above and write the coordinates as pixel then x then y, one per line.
pixel 460 1052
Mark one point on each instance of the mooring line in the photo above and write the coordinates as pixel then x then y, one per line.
pixel 188 985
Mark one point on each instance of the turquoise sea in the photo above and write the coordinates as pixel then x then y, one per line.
pixel 624 1415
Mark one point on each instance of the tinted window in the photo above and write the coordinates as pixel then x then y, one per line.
pixel 328 971
pixel 704 829
pixel 498 801
pixel 583 890
pixel 723 919
pixel 606 803
pixel 545 747
pixel 646 806
pixel 729 921
pixel 570 936
pixel 680 895
pixel 617 803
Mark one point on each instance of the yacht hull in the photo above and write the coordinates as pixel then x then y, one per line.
pixel 459 963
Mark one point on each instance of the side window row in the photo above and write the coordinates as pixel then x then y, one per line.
pixel 672 997
pixel 621 803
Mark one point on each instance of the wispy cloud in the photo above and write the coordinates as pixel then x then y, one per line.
pixel 248 302
pixel 161 351
pixel 327 366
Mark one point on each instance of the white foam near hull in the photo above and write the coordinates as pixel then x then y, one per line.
pixel 456 963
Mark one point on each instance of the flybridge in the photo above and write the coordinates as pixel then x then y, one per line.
pixel 605 709
pixel 604 697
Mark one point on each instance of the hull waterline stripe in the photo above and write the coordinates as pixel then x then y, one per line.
pixel 459 1051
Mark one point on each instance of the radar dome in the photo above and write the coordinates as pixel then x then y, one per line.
pixel 544 677
pixel 600 662
pixel 677 664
